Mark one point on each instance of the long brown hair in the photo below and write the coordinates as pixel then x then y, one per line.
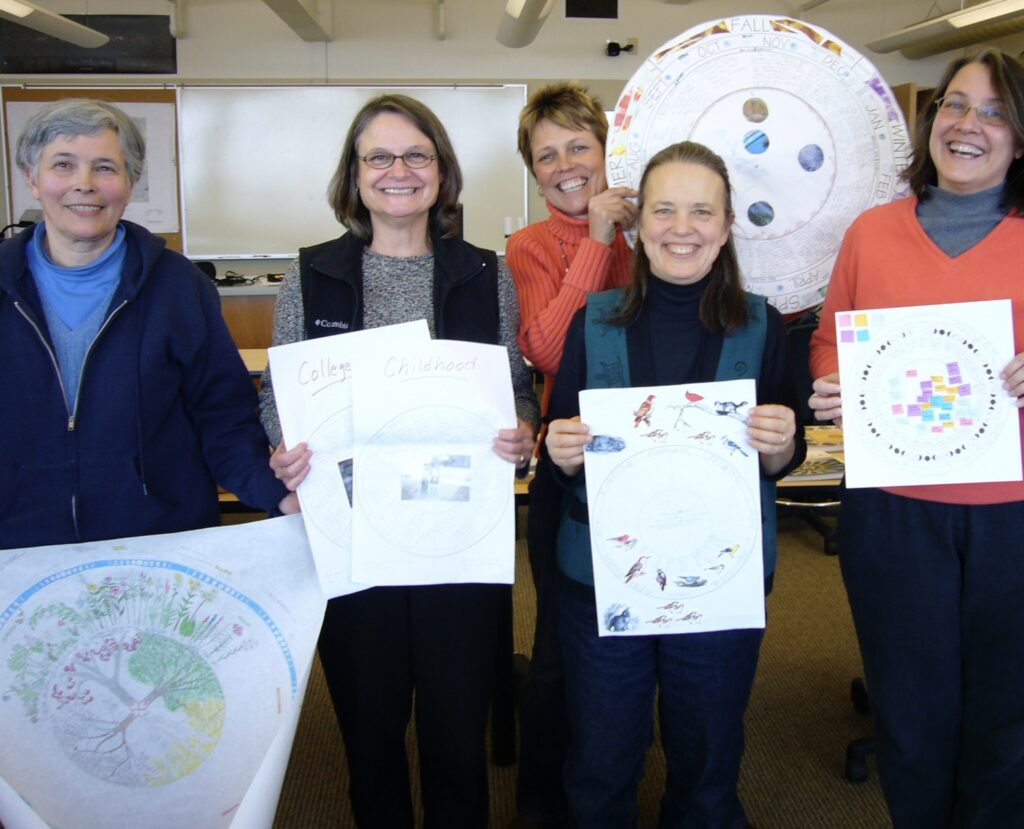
pixel 723 307
pixel 1007 75
pixel 343 192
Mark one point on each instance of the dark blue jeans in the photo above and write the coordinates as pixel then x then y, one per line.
pixel 704 681
pixel 937 593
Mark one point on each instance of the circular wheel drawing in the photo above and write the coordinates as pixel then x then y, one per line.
pixel 422 491
pixel 331 512
pixel 131 665
pixel 696 526
pixel 810 132
pixel 920 408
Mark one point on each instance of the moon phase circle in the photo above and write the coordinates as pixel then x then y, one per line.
pixel 804 123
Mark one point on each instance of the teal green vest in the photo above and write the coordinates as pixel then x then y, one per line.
pixel 608 368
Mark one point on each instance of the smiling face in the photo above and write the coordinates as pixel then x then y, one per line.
pixel 83 187
pixel 398 195
pixel 684 223
pixel 568 165
pixel 970 156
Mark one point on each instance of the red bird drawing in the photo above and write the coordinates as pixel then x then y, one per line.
pixel 643 414
pixel 693 397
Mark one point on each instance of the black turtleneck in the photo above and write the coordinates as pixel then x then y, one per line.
pixel 668 345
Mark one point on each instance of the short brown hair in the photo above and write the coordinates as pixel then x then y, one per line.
pixel 723 306
pixel 343 191
pixel 1007 75
pixel 567 104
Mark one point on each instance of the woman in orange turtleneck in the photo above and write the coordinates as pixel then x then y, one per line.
pixel 555 263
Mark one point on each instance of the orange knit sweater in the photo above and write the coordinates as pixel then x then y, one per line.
pixel 554 265
pixel 888 261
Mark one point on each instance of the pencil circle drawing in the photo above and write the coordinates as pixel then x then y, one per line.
pixel 675 522
pixel 926 393
pixel 426 481
pixel 327 502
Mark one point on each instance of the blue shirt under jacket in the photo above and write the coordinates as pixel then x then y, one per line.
pixel 165 409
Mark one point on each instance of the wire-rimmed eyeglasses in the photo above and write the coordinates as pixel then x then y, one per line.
pixel 413 159
pixel 956 107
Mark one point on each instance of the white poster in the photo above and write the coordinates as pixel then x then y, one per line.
pixel 434 504
pixel 674 505
pixel 810 131
pixel 923 402
pixel 154 680
pixel 313 393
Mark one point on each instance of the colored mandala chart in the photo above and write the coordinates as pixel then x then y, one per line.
pixel 327 502
pixel 919 407
pixel 689 537
pixel 810 132
pixel 130 665
pixel 432 499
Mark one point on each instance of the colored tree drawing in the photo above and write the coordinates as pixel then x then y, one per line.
pixel 124 673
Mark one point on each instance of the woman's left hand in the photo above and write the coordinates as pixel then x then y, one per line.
pixel 516 445
pixel 770 430
pixel 1013 379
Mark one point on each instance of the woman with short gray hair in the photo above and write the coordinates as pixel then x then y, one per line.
pixel 128 402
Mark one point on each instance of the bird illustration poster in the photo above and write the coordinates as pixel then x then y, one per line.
pixel 674 508
pixel 433 503
pixel 154 681
pixel 313 393
pixel 923 402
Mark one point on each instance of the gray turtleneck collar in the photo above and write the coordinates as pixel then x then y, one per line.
pixel 957 222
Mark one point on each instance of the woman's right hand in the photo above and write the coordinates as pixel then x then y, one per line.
pixel 566 441
pixel 827 401
pixel 609 208
pixel 291 466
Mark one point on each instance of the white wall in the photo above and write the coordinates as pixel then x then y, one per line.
pixel 394 41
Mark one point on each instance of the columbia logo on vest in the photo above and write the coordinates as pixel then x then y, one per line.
pixel 329 324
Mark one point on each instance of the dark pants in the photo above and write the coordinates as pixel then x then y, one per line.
pixel 937 593
pixel 543 729
pixel 704 681
pixel 379 645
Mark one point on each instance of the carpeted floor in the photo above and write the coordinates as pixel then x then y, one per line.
pixel 798 724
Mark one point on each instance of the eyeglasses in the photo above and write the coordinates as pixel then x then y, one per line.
pixel 413 159
pixel 957 108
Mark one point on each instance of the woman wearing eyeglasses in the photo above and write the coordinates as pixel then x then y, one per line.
pixel 934 574
pixel 396 189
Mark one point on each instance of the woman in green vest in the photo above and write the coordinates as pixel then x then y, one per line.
pixel 684 319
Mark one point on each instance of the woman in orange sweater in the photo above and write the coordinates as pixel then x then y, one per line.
pixel 555 263
pixel 934 573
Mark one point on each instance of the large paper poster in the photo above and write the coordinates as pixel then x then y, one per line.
pixel 313 394
pixel 156 680
pixel 434 504
pixel 674 505
pixel 809 130
pixel 923 402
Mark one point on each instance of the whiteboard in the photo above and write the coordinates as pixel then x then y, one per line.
pixel 256 162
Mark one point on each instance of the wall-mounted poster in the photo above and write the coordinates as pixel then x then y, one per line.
pixel 809 130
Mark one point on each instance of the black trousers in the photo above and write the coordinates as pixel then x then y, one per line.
pixel 543 723
pixel 936 594
pixel 380 646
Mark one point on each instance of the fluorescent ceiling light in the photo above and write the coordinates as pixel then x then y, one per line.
pixel 521 21
pixel 985 21
pixel 15 8
pixel 986 12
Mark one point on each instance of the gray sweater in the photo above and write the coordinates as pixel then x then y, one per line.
pixel 384 305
